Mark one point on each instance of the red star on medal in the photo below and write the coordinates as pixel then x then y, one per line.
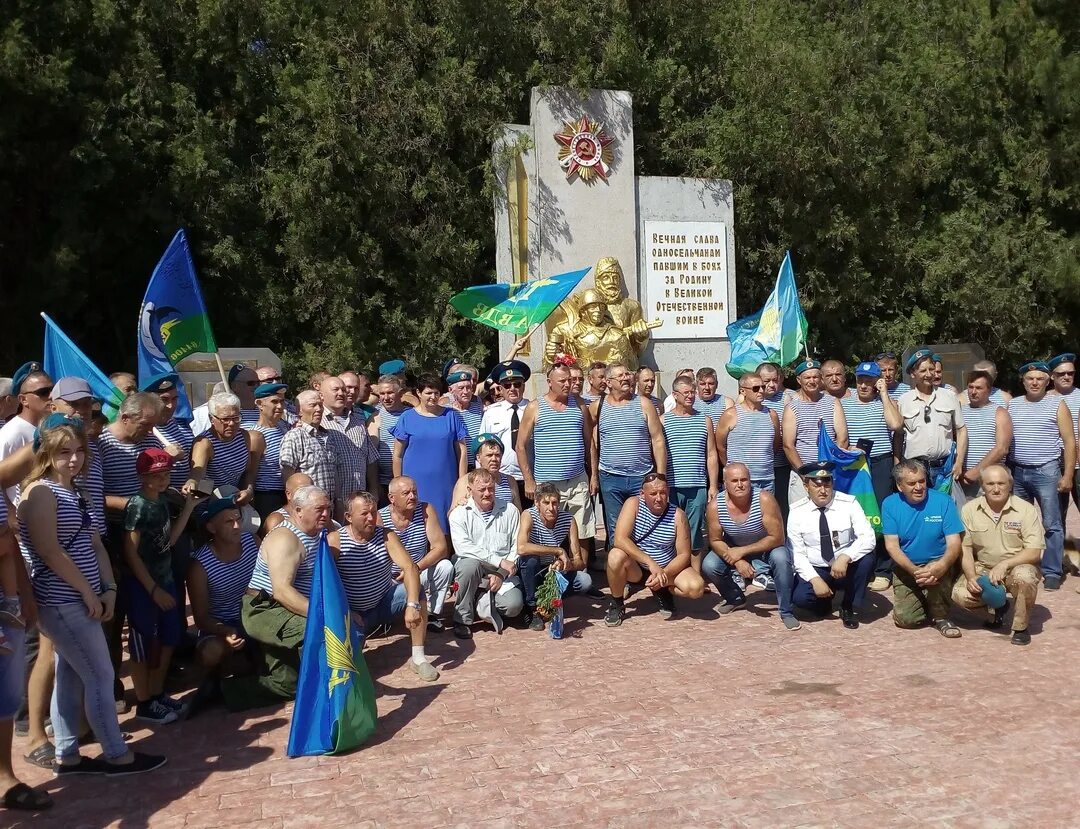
pixel 585 151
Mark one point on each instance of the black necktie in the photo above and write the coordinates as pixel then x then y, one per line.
pixel 515 421
pixel 826 536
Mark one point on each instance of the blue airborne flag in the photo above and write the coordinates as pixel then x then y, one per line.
pixel 516 308
pixel 851 475
pixel 335 699
pixel 64 359
pixel 173 322
pixel 775 334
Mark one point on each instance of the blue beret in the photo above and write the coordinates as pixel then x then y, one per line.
pixel 55 421
pixel 1033 365
pixel 161 382
pixel 213 507
pixel 936 358
pixel 868 369
pixel 1067 357
pixel 993 594
pixel 21 373
pixel 235 370
pixel 485 437
pixel 817 469
pixel 806 365
pixel 917 357
pixel 510 370
pixel 267 389
pixel 392 367
pixel 449 364
pixel 458 376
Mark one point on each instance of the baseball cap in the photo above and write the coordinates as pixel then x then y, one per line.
pixel 153 460
pixel 70 389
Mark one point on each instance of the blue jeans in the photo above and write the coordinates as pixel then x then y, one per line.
pixel 1039 483
pixel 692 500
pixel 389 607
pixel 530 569
pixel 615 490
pixel 12 672
pixel 84 680
pixel 767 484
pixel 719 572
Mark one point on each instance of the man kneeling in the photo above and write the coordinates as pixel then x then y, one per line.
pixel 1002 547
pixel 652 546
pixel 365 562
pixel 484 531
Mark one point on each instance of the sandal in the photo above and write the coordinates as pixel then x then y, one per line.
pixel 44 756
pixel 21 796
pixel 948 629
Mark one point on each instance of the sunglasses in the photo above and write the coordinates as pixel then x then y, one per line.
pixel 252 383
pixel 753 388
pixel 1064 373
pixel 42 393
pixel 513 384
pixel 885 355
pixel 272 379
pixel 926 414
pixel 654 476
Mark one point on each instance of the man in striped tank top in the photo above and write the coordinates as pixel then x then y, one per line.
pixel 390 390
pixel 627 443
pixel 275 606
pixel 559 429
pixel 242 382
pixel 709 401
pixel 461 396
pixel 890 369
pixel 933 421
pixel 266 437
pixel 1063 380
pixel 989 430
pixel 646 383
pixel 174 435
pixel 749 433
pixel 834 380
pixel 503 419
pixel 368 555
pixel 805 409
pixel 1043 458
pixel 998 396
pixel 692 461
pixel 596 382
pixel 746 531
pixel 873 421
pixel 651 548
pixel 224 452
pixel 774 399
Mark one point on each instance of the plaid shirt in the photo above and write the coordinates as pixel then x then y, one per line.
pixel 317 452
pixel 358 454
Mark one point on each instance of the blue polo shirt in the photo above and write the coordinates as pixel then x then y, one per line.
pixel 921 527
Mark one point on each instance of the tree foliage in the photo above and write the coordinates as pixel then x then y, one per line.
pixel 331 161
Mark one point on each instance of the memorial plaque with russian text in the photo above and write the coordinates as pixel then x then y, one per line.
pixel 686 279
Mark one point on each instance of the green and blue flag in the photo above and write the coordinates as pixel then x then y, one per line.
pixel 775 334
pixel 851 475
pixel 516 308
pixel 173 322
pixel 64 359
pixel 335 698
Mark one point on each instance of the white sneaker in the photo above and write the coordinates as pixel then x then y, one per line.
pixel 764 582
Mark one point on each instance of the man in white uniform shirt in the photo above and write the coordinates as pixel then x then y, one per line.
pixel 503 419
pixel 484 533
pixel 831 544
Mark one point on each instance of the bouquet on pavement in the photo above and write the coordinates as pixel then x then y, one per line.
pixel 549 602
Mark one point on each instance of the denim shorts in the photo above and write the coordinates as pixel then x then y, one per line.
pixel 389 608
pixel 149 623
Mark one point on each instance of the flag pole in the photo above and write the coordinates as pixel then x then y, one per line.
pixel 515 348
pixel 221 370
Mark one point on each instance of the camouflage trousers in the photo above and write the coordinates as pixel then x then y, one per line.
pixel 1021 581
pixel 915 605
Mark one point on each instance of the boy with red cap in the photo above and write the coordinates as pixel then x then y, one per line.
pixel 156 620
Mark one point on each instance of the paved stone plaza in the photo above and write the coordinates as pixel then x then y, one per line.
pixel 701 721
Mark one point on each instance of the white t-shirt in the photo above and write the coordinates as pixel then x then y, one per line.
pixel 14 435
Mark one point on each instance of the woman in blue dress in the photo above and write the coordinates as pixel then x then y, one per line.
pixel 429 447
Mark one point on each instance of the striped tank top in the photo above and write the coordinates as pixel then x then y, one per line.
pixel 414 535
pixel 899 389
pixel 365 569
pixel 740 534
pixel 305 570
pixel 1072 400
pixel 753 442
pixel 472 417
pixel 807 415
pixel 179 433
pixel 227 466
pixel 866 421
pixel 713 408
pixel 558 442
pixel 74 533
pixel 503 492
pixel 982 432
pixel 541 533
pixel 687 438
pixel 625 445
pixel 248 418
pixel 1036 439
pixel 659 545
pixel 268 476
pixel 227 580
pixel 118 463
pixel 387 421
pixel 998 396
pixel 775 403
pixel 92 483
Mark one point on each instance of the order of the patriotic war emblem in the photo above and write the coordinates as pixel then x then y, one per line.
pixel 585 151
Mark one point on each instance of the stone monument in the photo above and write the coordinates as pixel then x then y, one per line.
pixel 662 288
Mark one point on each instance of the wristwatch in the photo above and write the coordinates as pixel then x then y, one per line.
pixel 106 587
pixel 413 605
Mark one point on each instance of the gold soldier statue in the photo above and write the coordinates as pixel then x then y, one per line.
pixel 600 323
